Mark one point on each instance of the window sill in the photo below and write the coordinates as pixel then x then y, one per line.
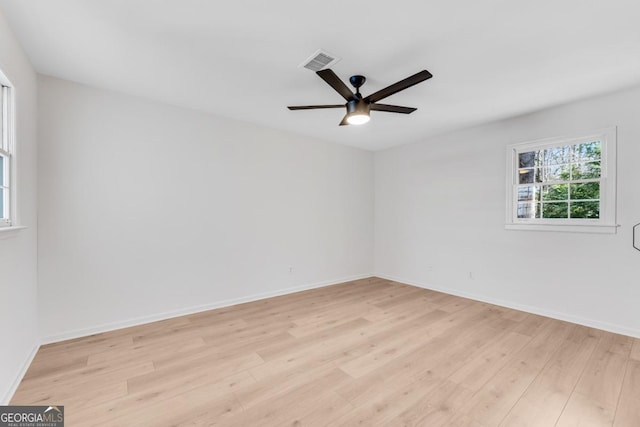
pixel 566 228
pixel 6 232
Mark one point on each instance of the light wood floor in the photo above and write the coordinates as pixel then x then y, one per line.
pixel 369 352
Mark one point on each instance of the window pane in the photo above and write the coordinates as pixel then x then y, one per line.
pixel 529 193
pixel 587 151
pixel 556 156
pixel 555 173
pixel 587 190
pixel 586 170
pixel 525 176
pixel 538 177
pixel 528 210
pixel 555 210
pixel 529 159
pixel 585 210
pixel 2 190
pixel 555 192
pixel 2 170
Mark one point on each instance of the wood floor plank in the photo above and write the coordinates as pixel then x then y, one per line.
pixel 389 403
pixel 496 398
pixel 635 350
pixel 330 408
pixel 342 348
pixel 531 325
pixel 543 402
pixel 274 348
pixel 478 371
pixel 78 378
pixel 99 342
pixel 434 361
pixel 197 407
pixel 165 394
pixel 628 410
pixel 402 342
pixel 338 316
pixel 144 352
pixel 437 409
pixel 55 364
pixel 282 383
pixel 287 409
pixel 366 352
pixel 596 395
pixel 462 420
pixel 187 371
pixel 94 393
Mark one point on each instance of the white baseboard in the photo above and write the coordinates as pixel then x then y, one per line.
pixel 78 333
pixel 23 370
pixel 597 324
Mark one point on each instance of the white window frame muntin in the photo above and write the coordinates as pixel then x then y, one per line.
pixel 8 146
pixel 606 223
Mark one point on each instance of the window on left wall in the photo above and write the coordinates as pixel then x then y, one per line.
pixel 6 158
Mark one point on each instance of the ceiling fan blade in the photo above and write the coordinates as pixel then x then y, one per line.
pixel 401 85
pixel 334 81
pixel 344 121
pixel 314 107
pixel 392 108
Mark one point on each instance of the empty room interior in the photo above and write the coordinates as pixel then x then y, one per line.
pixel 330 213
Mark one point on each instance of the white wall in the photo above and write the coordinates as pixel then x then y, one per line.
pixel 148 210
pixel 18 273
pixel 440 214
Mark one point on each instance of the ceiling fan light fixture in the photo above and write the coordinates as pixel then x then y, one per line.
pixel 358 118
pixel 357 112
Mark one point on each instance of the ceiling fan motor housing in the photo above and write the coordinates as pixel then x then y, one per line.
pixel 358 106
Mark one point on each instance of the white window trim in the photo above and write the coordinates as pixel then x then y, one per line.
pixel 6 180
pixel 9 121
pixel 607 221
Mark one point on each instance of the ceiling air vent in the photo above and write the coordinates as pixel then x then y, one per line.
pixel 320 60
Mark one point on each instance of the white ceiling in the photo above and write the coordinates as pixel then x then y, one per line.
pixel 490 59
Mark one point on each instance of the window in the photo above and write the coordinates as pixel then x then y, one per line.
pixel 5 159
pixel 563 184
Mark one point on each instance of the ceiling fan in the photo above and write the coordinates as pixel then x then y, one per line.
pixel 358 108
